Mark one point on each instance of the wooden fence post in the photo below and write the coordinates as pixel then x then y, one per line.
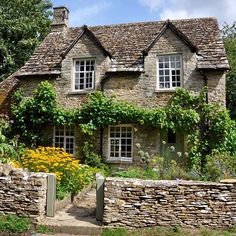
pixel 100 196
pixel 51 195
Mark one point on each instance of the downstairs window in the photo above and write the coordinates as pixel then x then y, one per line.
pixel 120 143
pixel 64 137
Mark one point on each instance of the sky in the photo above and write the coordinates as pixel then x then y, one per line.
pixel 104 12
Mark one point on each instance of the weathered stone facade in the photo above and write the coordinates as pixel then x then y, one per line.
pixel 141 203
pixel 22 193
pixel 126 69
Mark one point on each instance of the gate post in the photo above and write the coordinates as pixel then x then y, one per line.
pixel 51 195
pixel 100 196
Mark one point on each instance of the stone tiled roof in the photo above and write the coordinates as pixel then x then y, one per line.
pixel 126 43
pixel 7 88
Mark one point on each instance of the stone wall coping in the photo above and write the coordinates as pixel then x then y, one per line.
pixel 228 181
pixel 153 183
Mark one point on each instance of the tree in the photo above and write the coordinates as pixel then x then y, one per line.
pixel 229 36
pixel 23 25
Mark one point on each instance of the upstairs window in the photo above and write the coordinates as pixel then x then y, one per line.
pixel 64 137
pixel 84 75
pixel 169 72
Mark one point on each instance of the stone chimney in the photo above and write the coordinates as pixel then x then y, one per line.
pixel 60 19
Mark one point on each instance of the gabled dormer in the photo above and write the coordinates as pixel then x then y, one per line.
pixel 84 62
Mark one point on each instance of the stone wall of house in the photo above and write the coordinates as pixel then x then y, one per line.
pixel 141 203
pixel 216 87
pixel 141 89
pixel 84 48
pixel 22 193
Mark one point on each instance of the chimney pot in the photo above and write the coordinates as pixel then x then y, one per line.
pixel 60 19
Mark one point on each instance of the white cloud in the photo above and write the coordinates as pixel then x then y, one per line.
pixel 153 5
pixel 85 15
pixel 223 10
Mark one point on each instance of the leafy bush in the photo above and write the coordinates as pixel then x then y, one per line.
pixel 14 224
pixel 91 158
pixel 9 148
pixel 71 176
pixel 137 172
pixel 219 166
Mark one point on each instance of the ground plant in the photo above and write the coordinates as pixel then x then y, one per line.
pixel 14 224
pixel 160 231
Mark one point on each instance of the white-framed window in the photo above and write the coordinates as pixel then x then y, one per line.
pixel 120 142
pixel 169 72
pixel 84 74
pixel 64 137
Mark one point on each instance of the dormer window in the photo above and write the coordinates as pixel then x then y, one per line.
pixel 84 76
pixel 169 72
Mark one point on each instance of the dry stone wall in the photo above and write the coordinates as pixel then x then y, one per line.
pixel 141 203
pixel 22 193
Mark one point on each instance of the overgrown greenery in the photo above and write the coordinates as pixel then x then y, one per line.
pixel 229 36
pixel 23 25
pixel 9 148
pixel 161 231
pixel 14 224
pixel 208 127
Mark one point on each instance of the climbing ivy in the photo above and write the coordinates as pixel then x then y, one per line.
pixel 206 126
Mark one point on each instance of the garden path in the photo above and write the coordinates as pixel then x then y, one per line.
pixel 77 218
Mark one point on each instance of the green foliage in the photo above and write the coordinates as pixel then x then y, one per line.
pixel 219 166
pixel 115 232
pixel 208 127
pixel 164 231
pixel 42 229
pixel 23 25
pixel 137 172
pixel 229 36
pixel 32 114
pixel 91 158
pixel 14 224
pixel 10 149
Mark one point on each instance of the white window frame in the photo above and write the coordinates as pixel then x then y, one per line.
pixel 170 69
pixel 120 158
pixel 84 72
pixel 65 137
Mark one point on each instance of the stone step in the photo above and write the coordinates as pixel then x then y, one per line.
pixel 59 230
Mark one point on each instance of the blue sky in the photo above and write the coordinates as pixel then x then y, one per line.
pixel 100 12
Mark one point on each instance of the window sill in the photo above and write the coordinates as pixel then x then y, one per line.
pixel 81 92
pixel 119 160
pixel 166 90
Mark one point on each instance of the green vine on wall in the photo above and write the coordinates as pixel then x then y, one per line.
pixel 206 126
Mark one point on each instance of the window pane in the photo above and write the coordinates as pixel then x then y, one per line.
pixel 170 75
pixel 84 79
pixel 120 141
pixel 64 138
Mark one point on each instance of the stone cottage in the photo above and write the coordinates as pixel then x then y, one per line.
pixel 142 63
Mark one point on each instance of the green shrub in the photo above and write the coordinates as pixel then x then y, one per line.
pixel 91 158
pixel 137 172
pixel 219 166
pixel 14 224
pixel 115 232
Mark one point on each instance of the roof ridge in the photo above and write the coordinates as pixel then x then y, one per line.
pixel 146 22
